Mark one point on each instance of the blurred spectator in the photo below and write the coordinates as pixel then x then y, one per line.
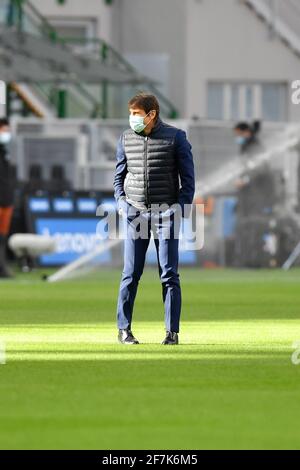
pixel 249 143
pixel 247 137
pixel 6 194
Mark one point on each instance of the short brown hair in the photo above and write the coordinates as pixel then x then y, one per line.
pixel 146 102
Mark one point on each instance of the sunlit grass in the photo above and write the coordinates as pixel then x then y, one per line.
pixel 67 383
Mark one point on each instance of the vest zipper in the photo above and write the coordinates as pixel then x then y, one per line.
pixel 145 173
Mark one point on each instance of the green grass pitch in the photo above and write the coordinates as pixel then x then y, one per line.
pixel 229 384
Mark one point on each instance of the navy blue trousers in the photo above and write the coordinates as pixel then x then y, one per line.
pixel 165 233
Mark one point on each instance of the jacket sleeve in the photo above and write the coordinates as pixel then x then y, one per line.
pixel 186 169
pixel 121 170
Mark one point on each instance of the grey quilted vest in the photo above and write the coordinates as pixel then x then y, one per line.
pixel 152 176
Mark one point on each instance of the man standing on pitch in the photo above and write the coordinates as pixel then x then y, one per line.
pixel 152 156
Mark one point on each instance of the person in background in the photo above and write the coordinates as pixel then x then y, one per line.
pixel 247 137
pixel 6 194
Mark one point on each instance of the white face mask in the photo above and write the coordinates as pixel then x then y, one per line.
pixel 137 122
pixel 5 137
